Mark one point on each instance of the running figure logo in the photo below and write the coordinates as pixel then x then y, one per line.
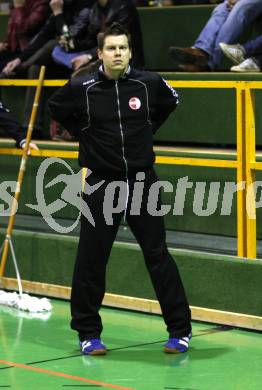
pixel 71 194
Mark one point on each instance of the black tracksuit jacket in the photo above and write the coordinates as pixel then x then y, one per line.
pixel 114 120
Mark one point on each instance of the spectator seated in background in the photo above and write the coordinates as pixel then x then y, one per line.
pixel 25 20
pixel 247 57
pixel 69 19
pixel 103 14
pixel 12 128
pixel 64 28
pixel 227 23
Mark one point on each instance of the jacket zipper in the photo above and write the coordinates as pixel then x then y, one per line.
pixel 121 129
pixel 123 145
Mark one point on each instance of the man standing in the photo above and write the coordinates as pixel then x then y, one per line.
pixel 115 112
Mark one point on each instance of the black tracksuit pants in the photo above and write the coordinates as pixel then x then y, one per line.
pixel 88 287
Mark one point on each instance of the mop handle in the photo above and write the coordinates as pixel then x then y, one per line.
pixel 22 170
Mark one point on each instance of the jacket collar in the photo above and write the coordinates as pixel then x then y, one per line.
pixel 102 74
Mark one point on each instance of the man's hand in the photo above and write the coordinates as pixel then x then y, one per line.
pixel 57 6
pixel 3 46
pixel 66 43
pixel 32 146
pixel 10 66
pixel 18 3
pixel 79 61
pixel 63 41
pixel 231 3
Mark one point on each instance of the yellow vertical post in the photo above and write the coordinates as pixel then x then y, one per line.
pixel 250 174
pixel 241 172
pixel 84 173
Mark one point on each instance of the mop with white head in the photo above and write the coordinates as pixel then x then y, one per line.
pixel 24 302
pixel 20 300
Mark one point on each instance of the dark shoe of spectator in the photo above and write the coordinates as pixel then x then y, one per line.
pixel 188 55
pixel 193 68
pixel 235 53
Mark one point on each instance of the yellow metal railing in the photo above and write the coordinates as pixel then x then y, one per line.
pixel 245 164
pixel 251 165
pixel 239 164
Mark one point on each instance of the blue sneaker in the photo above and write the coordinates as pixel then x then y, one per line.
pixel 177 345
pixel 93 347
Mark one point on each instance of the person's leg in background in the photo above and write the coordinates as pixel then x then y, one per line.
pixel 31 68
pixel 242 15
pixel 253 47
pixel 90 68
pixel 207 38
pixel 196 58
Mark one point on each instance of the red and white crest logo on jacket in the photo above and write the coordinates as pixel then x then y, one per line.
pixel 134 103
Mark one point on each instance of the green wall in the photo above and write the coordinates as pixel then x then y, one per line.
pixel 207 116
pixel 212 281
pixel 3 25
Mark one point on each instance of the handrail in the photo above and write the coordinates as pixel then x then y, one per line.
pixel 30 83
pixel 168 160
pixel 245 164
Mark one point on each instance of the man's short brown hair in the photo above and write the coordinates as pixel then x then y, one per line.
pixel 115 29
